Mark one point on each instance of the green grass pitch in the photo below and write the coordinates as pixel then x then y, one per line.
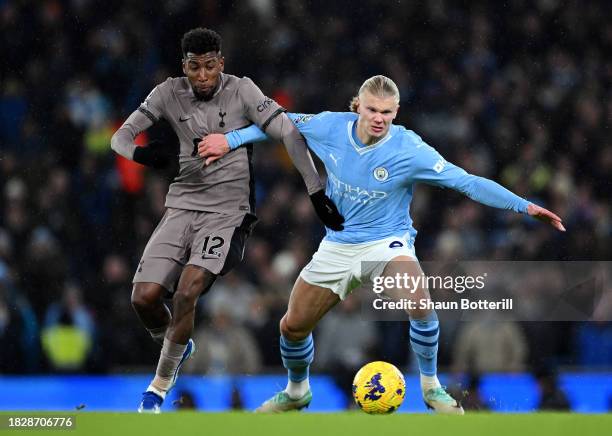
pixel 319 424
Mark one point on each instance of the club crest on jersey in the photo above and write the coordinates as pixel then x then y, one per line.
pixel 381 174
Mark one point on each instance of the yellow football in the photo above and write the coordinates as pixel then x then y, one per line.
pixel 379 387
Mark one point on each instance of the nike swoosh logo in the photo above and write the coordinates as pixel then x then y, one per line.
pixel 182 120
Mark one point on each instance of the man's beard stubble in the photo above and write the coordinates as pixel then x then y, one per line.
pixel 203 97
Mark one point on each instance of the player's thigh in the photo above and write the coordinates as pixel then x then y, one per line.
pixel 165 254
pixel 333 267
pixel 411 283
pixel 395 258
pixel 219 241
pixel 308 303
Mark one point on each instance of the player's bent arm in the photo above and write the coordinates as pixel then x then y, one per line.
pixel 154 155
pixel 282 128
pixel 271 118
pixel 122 141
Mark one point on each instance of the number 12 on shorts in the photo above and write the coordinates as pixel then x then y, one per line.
pixel 215 242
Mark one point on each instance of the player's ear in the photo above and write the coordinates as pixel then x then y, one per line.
pixel 184 66
pixel 221 63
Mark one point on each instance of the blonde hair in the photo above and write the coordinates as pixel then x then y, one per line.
pixel 379 86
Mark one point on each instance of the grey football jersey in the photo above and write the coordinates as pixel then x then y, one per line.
pixel 226 185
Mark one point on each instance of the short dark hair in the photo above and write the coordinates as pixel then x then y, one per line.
pixel 200 41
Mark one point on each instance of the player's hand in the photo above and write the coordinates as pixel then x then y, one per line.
pixel 154 154
pixel 213 147
pixel 327 211
pixel 545 216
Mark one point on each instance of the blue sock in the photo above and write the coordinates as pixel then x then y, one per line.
pixel 424 341
pixel 297 357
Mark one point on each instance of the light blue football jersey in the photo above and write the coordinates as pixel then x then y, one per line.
pixel 372 185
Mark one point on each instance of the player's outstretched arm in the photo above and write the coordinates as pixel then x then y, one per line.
pixel 430 167
pixel 493 194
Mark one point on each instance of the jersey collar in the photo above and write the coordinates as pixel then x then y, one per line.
pixel 358 145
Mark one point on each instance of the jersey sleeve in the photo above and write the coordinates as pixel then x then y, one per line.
pixel 246 135
pixel 258 108
pixel 122 141
pixel 315 127
pixel 309 125
pixel 430 167
pixel 153 105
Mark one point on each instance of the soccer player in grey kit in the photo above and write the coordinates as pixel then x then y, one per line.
pixel 210 209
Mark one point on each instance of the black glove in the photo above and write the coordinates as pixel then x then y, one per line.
pixel 154 155
pixel 327 211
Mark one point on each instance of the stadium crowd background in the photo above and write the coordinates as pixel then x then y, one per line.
pixel 518 92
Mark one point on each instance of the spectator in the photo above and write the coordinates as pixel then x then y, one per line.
pixel 490 345
pixel 228 348
pixel 69 334
pixel 18 329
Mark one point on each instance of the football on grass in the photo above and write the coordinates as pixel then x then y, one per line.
pixel 379 387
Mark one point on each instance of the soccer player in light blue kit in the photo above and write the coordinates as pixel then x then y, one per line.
pixel 372 166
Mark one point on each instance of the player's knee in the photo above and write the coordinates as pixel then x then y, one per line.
pixel 145 296
pixel 188 294
pixel 293 330
pixel 418 313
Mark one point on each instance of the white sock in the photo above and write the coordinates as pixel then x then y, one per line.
pixel 169 359
pixel 429 382
pixel 153 389
pixel 297 390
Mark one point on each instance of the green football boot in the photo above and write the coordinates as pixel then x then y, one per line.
pixel 440 401
pixel 281 402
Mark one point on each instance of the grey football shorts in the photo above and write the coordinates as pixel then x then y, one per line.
pixel 211 240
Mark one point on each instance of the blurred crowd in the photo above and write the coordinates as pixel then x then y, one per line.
pixel 519 92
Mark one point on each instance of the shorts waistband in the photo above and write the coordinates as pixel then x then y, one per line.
pixel 366 244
